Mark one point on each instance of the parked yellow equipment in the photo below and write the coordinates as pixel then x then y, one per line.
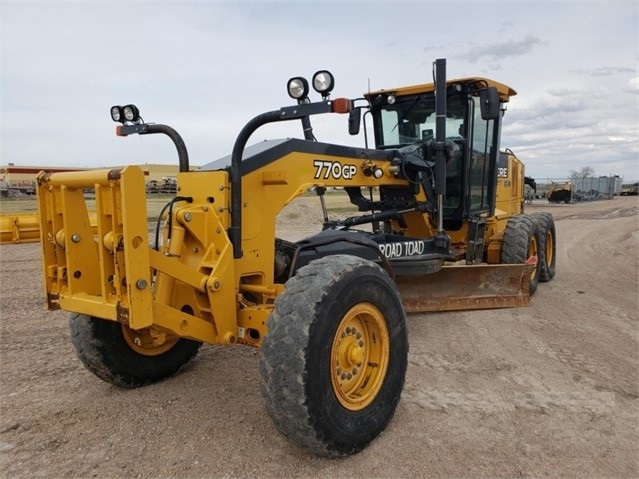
pixel 327 311
pixel 25 227
pixel 560 192
pixel 19 228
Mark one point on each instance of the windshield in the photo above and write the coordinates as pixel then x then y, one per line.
pixel 412 118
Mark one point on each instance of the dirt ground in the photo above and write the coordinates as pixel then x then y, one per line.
pixel 546 390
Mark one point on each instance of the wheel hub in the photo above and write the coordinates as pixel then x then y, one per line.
pixel 349 353
pixel 148 341
pixel 359 356
pixel 533 250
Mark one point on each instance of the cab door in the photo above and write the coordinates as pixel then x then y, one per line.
pixel 482 172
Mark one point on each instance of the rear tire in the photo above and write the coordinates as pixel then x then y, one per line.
pixel 520 242
pixel 547 245
pixel 334 360
pixel 127 358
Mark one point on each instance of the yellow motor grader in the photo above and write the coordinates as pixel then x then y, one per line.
pixel 328 312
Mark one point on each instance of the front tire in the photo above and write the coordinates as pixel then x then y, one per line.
pixel 334 360
pixel 520 242
pixel 125 357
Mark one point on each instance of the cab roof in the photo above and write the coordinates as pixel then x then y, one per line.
pixel 505 92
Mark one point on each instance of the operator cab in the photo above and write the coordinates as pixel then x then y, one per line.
pixel 404 119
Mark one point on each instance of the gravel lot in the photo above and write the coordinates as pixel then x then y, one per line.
pixel 546 390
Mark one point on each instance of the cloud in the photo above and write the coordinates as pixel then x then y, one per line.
pixel 501 50
pixel 207 68
pixel 505 26
pixel 632 86
pixel 603 71
pixel 568 127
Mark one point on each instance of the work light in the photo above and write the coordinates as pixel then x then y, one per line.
pixel 131 113
pixel 297 88
pixel 323 82
pixel 116 113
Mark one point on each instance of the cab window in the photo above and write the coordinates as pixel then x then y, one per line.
pixel 483 139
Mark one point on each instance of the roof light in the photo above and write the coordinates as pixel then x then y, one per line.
pixel 131 113
pixel 297 88
pixel 116 114
pixel 323 82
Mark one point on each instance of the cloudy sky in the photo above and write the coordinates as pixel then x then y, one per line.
pixel 206 68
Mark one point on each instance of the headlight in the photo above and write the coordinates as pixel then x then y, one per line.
pixel 391 99
pixel 131 113
pixel 323 82
pixel 116 113
pixel 297 88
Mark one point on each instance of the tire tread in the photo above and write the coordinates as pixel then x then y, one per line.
pixel 100 346
pixel 284 353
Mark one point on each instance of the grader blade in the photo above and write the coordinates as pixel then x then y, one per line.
pixel 455 288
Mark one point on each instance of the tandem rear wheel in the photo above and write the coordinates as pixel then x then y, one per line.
pixel 334 360
pixel 125 357
pixel 521 241
pixel 547 245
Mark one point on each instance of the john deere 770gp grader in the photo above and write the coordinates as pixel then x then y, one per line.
pixel 437 226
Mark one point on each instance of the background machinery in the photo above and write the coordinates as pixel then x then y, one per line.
pixel 328 311
pixel 560 192
pixel 630 189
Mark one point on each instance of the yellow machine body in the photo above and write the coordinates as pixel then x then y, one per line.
pixel 193 287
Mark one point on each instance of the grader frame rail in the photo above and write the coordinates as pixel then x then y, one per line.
pixel 326 311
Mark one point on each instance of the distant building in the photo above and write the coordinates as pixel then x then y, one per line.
pixel 22 179
pixel 594 188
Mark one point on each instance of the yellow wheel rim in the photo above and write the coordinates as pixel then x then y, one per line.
pixel 359 356
pixel 549 249
pixel 533 250
pixel 148 341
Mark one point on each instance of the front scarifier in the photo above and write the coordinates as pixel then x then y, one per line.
pixel 328 311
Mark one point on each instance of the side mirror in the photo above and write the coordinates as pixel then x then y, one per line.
pixel 490 106
pixel 354 120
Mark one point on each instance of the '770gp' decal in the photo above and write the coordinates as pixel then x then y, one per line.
pixel 333 169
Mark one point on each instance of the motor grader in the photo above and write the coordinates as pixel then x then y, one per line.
pixel 328 311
